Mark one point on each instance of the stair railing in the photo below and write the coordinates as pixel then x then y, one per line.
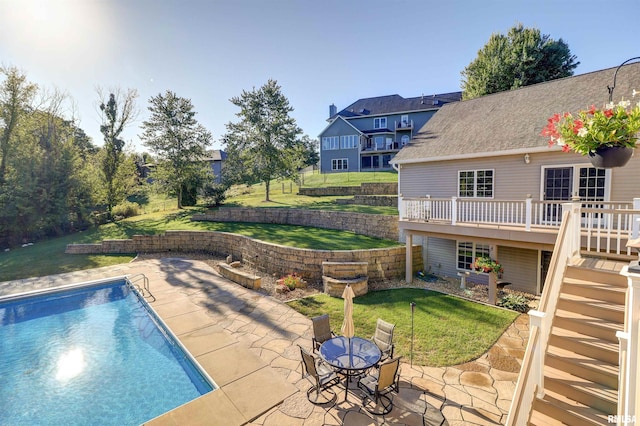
pixel 629 340
pixel 531 379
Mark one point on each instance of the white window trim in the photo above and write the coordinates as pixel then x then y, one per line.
pixel 475 183
pixel 332 143
pixel 576 177
pixel 342 161
pixel 379 120
pixel 349 141
pixel 474 249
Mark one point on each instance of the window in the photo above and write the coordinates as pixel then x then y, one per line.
pixel 380 123
pixel 467 253
pixel 348 142
pixel 405 139
pixel 385 160
pixel 330 142
pixel 475 183
pixel 339 164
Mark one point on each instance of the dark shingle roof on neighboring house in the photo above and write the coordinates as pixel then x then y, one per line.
pixel 511 121
pixel 393 104
pixel 216 155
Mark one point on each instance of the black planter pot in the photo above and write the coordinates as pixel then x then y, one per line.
pixel 610 156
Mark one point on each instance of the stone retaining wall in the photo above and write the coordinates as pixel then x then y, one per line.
pixel 370 200
pixel 239 276
pixel 373 225
pixel 384 263
pixel 367 188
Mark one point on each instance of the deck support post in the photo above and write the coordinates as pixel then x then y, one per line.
pixel 493 276
pixel 408 272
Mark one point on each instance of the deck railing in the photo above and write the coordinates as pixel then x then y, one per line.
pixel 605 226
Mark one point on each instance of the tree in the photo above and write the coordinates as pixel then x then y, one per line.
pixel 520 58
pixel 263 145
pixel 117 113
pixel 16 95
pixel 179 142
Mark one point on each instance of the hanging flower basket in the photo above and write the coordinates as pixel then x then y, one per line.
pixel 606 136
pixel 608 157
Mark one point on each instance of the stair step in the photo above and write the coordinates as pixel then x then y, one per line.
pixel 611 277
pixel 594 290
pixel 595 308
pixel 586 345
pixel 583 366
pixel 586 324
pixel 556 409
pixel 585 392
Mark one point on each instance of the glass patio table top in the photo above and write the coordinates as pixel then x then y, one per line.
pixel 350 354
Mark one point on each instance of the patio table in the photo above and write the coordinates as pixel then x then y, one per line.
pixel 351 356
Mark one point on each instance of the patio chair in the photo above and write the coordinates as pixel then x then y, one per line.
pixel 321 331
pixel 378 387
pixel 383 338
pixel 321 375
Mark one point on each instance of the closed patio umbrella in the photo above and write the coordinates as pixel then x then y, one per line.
pixel 347 324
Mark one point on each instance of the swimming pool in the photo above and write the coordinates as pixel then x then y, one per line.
pixel 90 354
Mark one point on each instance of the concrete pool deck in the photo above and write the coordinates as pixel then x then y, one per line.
pixel 247 342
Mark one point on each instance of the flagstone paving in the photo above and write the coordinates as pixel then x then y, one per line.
pixel 248 343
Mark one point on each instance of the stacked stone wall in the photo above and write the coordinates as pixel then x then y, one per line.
pixel 367 188
pixel 373 225
pixel 383 263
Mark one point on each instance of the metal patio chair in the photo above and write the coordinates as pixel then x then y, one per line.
pixel 321 375
pixel 378 388
pixel 383 338
pixel 321 331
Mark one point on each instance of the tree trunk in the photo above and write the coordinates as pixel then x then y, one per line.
pixel 266 190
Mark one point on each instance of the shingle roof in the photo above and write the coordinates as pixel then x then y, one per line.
pixel 216 155
pixel 395 104
pixel 512 120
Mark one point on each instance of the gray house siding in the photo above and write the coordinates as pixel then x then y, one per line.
pixel 520 265
pixel 339 128
pixel 513 179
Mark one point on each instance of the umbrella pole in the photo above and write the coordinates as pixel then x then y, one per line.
pixel 413 307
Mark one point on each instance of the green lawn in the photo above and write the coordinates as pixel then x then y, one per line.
pixel 447 330
pixel 48 257
pixel 284 194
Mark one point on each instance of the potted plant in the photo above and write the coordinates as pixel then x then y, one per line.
pixel 607 136
pixel 488 265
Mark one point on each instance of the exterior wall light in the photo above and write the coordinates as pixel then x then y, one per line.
pixel 527 159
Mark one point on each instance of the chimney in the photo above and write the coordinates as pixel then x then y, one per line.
pixel 332 110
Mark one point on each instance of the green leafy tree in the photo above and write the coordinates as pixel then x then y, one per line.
pixel 522 57
pixel 263 145
pixel 179 144
pixel 16 97
pixel 117 113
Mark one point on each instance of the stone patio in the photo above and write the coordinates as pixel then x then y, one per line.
pixel 247 343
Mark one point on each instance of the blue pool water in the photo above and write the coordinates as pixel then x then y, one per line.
pixel 94 355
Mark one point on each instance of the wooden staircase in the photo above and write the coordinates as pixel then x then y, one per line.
pixel 581 363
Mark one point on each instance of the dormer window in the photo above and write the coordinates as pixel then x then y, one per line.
pixel 380 123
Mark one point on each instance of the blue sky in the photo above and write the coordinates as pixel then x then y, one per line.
pixel 320 52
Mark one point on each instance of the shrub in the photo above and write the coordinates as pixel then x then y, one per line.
pixel 126 209
pixel 292 281
pixel 515 302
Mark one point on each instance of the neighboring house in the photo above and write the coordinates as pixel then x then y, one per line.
pixel 368 133
pixel 216 159
pixel 478 179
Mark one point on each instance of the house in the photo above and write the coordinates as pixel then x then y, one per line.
pixel 365 135
pixel 478 178
pixel 216 159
